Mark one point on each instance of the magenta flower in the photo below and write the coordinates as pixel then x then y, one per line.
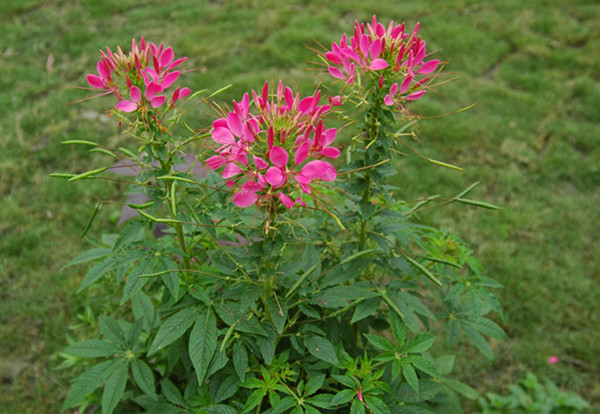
pixel 271 147
pixel 389 52
pixel 143 74
pixel 553 359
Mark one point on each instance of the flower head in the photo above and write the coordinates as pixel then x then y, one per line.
pixel 142 75
pixel 271 147
pixel 388 54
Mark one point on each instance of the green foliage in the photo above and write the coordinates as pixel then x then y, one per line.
pixel 529 395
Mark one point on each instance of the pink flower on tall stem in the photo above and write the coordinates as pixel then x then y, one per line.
pixel 387 53
pixel 272 145
pixel 142 75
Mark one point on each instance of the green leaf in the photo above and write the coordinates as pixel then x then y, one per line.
pixel 357 407
pixel 267 344
pixel 89 255
pixel 314 384
pixel 283 405
pixel 143 308
pixel 415 304
pixel 134 283
pixel 240 359
pixel 411 376
pixel 420 343
pixel 227 388
pixel 92 348
pixel 479 341
pixel 203 342
pixel 172 393
pixel 462 389
pixel 278 310
pixel 254 399
pixel 97 271
pixel 144 378
pixel 398 329
pixel 321 400
pixel 310 261
pixel 114 387
pixel 321 348
pixel 376 405
pixel 380 342
pixel 423 365
pixel 445 364
pixel 173 328
pixel 88 382
pixel 343 397
pixel 131 232
pixel 112 331
pixel 365 309
pixel 490 328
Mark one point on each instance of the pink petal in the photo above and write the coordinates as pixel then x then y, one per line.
pixel 275 177
pixel 260 163
pixel 235 124
pixel 319 169
pixel 157 101
pixel 166 57
pixel 330 135
pixel 135 94
pixel 231 170
pixel 388 100
pixel 95 81
pixel 170 79
pixel 302 153
pixel 288 202
pixel 245 198
pixel 375 49
pixel 378 64
pixel 335 100
pixel 406 84
pixel 330 152
pixel 336 73
pixel 152 89
pixel 333 58
pixel 215 162
pixel 306 104
pixel 223 136
pixel 416 95
pixel 127 106
pixel 176 63
pixel 429 66
pixel 103 70
pixel 278 156
pixel 394 89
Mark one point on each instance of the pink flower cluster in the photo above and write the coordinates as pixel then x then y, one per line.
pixel 390 52
pixel 142 75
pixel 271 147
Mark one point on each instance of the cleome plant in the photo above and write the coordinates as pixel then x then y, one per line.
pixel 268 263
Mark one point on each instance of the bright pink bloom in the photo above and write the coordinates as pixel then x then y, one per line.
pixel 143 74
pixel 389 52
pixel 271 147
pixel 553 359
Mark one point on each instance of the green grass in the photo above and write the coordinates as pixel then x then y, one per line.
pixel 532 142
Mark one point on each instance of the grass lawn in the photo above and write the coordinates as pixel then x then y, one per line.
pixel 532 141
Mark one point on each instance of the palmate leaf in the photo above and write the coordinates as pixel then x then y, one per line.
pixel 92 348
pixel 173 328
pixel 97 271
pixel 89 255
pixel 240 359
pixel 112 331
pixel 376 405
pixel 410 376
pixel 115 386
pixel 420 343
pixel 144 378
pixel 88 382
pixel 203 342
pixel 321 348
pixel 365 309
pixel 479 341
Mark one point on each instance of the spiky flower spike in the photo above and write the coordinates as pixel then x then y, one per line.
pixel 391 56
pixel 138 79
pixel 271 147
